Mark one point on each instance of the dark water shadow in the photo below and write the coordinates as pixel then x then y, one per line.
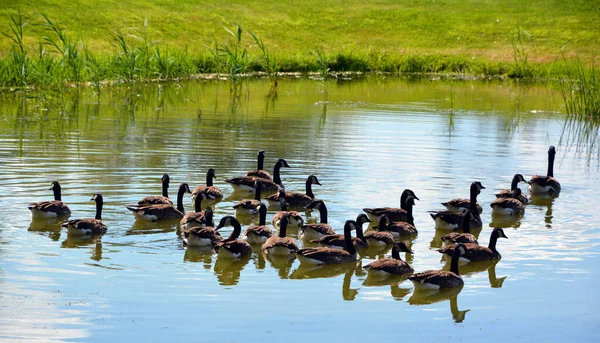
pixel 229 270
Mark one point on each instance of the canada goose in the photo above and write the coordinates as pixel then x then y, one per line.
pixel 391 266
pixel 247 183
pixel 259 234
pixel 213 191
pixel 197 218
pixel 338 240
pixel 438 279
pixel 316 231
pixel 162 212
pixel 381 237
pixel 324 255
pixel 475 252
pixel 394 214
pixel 507 193
pixel 461 205
pixel 202 236
pixel 158 199
pixel 295 220
pixel 280 245
pixel 88 226
pixel 232 247
pixel 466 236
pixel 404 228
pixel 247 206
pixel 508 206
pixel 546 184
pixel 50 209
pixel 296 199
pixel 260 172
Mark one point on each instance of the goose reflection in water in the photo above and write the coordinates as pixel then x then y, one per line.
pixel 146 227
pixel 199 254
pixel 427 297
pixel 548 202
pixel 506 221
pixel 228 270
pixel 75 241
pixel 283 264
pixel 46 227
pixel 478 267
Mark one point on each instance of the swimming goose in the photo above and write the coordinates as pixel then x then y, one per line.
pixel 280 245
pixel 391 266
pixel 438 279
pixel 87 226
pixel 451 220
pixel 316 231
pixel 506 193
pixel 296 199
pixel 197 218
pixel 394 214
pixel 508 206
pixel 162 212
pixel 466 236
pixel 338 240
pixel 381 237
pixel 461 205
pixel 232 247
pixel 404 228
pixel 247 183
pixel 202 236
pixel 325 255
pixel 260 172
pixel 295 220
pixel 546 184
pixel 50 209
pixel 475 252
pixel 247 206
pixel 158 199
pixel 259 234
pixel 213 191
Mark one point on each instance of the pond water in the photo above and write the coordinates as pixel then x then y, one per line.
pixel 365 139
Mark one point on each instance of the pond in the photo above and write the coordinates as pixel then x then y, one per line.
pixel 365 139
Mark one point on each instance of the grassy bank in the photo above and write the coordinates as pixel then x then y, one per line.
pixel 53 42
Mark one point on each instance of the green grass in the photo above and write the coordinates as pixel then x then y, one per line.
pixel 53 42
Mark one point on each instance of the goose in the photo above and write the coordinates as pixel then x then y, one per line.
pixel 296 199
pixel 202 236
pixel 394 214
pixel 338 240
pixel 438 279
pixel 325 255
pixel 87 226
pixel 162 212
pixel 391 266
pixel 295 220
pixel 259 234
pixel 260 172
pixel 213 191
pixel 545 184
pixel 280 245
pixel 247 183
pixel 507 193
pixel 451 220
pixel 465 237
pixel 461 205
pixel 50 209
pixel 247 206
pixel 316 231
pixel 475 252
pixel 197 218
pixel 232 247
pixel 381 237
pixel 508 206
pixel 158 199
pixel 399 229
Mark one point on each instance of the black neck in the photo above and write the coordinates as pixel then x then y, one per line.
pixel 197 204
pixel 309 191
pixel 359 232
pixel 382 223
pixel 514 183
pixel 261 162
pixel 409 212
pixel 551 164
pixel 257 192
pixel 396 253
pixel 466 220
pixel 473 200
pixel 209 179
pixel 276 177
pixel 348 239
pixel 57 195
pixel 99 209
pixel 262 212
pixel 403 198
pixel 283 228
pixel 323 213
pixel 180 199
pixel 454 262
pixel 208 217
pixel 237 230
pixel 493 240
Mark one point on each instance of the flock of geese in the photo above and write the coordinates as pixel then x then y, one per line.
pixel 198 228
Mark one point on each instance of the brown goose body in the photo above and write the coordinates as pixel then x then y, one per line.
pixel 213 192
pixel 542 185
pixel 232 247
pixel 280 245
pixel 296 199
pixel 259 171
pixel 338 240
pixel 508 193
pixel 475 252
pixel 325 255
pixel 250 206
pixel 440 279
pixel 393 213
pixel 381 237
pixel 466 236
pixel 162 211
pixel 461 205
pixel 158 199
pixel 202 236
pixel 399 229
pixel 88 226
pixel 197 218
pixel 50 209
pixel 450 220
pixel 391 266
pixel 316 231
pixel 295 220
pixel 508 206
pixel 247 183
pixel 258 234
